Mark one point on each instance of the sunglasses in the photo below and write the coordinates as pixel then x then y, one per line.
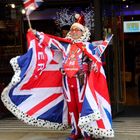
pixel 76 30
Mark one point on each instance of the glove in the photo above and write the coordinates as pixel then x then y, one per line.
pixel 85 67
pixel 94 67
pixel 34 31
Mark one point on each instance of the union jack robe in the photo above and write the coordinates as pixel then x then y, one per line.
pixel 35 93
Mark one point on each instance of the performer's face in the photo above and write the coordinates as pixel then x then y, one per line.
pixel 76 33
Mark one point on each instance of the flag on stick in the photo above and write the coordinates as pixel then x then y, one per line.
pixel 31 5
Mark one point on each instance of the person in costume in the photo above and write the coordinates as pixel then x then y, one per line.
pixel 75 69
pixel 78 84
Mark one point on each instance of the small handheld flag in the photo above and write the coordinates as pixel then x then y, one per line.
pixel 31 5
pixel 102 45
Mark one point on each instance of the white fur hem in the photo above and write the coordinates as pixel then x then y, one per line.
pixel 26 118
pixel 89 118
pixel 98 132
pixel 85 124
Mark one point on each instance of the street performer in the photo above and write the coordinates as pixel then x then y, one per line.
pixel 83 84
pixel 76 66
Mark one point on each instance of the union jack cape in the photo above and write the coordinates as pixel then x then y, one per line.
pixel 35 93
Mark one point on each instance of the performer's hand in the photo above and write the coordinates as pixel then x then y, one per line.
pixel 85 67
pixel 32 30
pixel 94 67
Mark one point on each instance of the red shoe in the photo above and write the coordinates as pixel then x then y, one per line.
pixel 73 137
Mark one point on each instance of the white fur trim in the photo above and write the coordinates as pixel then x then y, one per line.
pixel 80 26
pixel 89 118
pixel 96 132
pixel 85 126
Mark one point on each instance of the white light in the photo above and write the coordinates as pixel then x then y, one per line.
pixel 127 6
pixel 23 11
pixel 12 5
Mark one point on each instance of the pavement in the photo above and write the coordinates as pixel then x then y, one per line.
pixel 126 128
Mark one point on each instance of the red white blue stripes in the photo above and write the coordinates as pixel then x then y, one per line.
pixel 96 118
pixel 37 97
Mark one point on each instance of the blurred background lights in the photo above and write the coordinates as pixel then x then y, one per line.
pixel 23 11
pixel 12 5
pixel 127 6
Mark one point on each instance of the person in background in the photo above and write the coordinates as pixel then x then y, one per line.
pixel 64 30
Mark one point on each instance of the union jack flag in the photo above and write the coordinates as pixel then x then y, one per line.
pixel 97 102
pixel 31 5
pixel 34 94
pixel 101 45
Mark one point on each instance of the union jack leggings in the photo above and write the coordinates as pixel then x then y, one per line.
pixel 74 92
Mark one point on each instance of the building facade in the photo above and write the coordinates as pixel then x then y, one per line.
pixel 122 57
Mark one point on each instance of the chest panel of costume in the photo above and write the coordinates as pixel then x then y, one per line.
pixel 73 61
